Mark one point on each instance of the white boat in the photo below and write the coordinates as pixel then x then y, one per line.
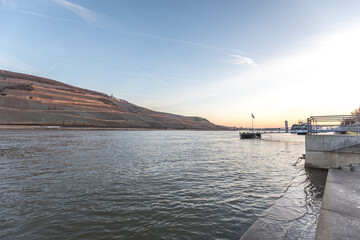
pixel 299 129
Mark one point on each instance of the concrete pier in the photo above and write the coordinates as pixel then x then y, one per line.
pixel 331 151
pixel 340 210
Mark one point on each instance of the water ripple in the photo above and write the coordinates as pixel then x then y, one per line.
pixel 142 184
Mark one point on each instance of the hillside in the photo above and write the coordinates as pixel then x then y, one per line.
pixel 31 100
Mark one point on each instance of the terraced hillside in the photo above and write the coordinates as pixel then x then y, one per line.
pixel 31 100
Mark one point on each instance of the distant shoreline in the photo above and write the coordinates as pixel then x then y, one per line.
pixel 44 127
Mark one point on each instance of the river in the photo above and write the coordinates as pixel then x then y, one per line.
pixel 66 184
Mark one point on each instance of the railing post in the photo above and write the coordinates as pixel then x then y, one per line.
pixel 309 130
pixel 357 122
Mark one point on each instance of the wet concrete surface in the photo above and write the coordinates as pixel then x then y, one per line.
pixel 294 215
pixel 340 211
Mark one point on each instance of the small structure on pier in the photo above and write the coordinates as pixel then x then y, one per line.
pixel 332 150
pixel 286 126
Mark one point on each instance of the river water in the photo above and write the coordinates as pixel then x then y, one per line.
pixel 148 184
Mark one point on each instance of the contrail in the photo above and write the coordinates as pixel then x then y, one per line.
pixel 198 44
pixel 42 75
pixel 153 77
pixel 150 75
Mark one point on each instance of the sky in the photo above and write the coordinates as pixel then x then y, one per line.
pixel 218 59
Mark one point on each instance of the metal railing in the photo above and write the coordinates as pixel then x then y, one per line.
pixel 334 123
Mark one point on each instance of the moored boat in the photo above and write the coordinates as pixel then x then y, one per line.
pixel 250 135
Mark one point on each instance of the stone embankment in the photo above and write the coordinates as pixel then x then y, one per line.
pixel 340 210
pixel 294 214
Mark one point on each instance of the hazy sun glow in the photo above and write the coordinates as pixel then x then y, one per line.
pixel 322 77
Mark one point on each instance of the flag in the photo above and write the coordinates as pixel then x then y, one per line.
pixel 252 115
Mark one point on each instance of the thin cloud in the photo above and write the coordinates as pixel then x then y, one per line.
pixel 82 12
pixel 8 3
pixel 35 14
pixel 198 44
pixel 20 7
pixel 105 22
pixel 241 60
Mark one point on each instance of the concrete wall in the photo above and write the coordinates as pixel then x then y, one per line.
pixel 331 151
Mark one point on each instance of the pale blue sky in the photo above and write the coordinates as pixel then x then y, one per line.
pixel 217 59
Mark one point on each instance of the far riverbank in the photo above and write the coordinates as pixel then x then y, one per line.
pixel 43 127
